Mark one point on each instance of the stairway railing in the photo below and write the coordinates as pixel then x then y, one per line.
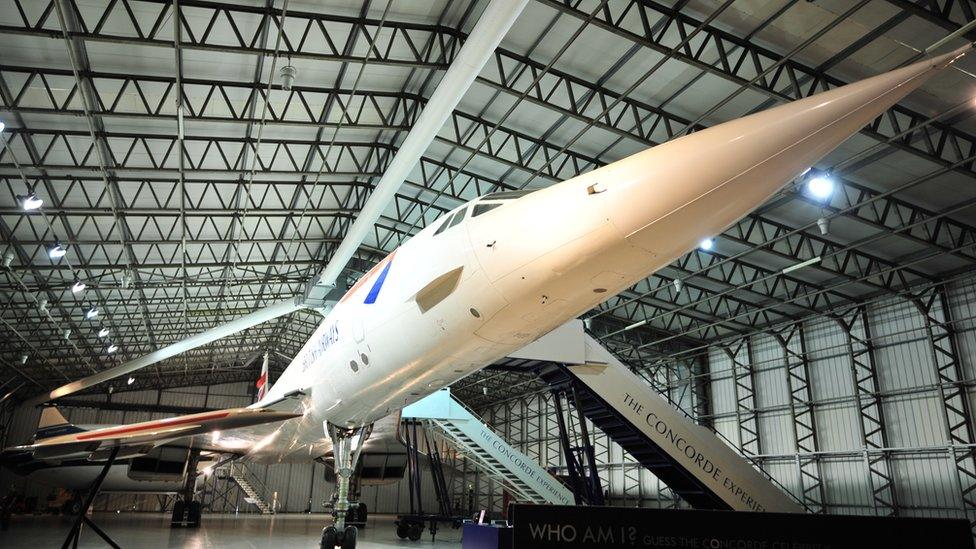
pixel 252 485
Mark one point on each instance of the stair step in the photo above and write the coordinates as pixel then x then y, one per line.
pixel 251 493
pixel 495 468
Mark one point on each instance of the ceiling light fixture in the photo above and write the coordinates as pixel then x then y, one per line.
pixel 56 251
pixel 103 332
pixel 820 187
pixel 824 225
pixel 91 313
pixel 78 286
pixel 130 381
pixel 802 264
pixel 288 74
pixel 707 244
pixel 112 349
pixel 30 202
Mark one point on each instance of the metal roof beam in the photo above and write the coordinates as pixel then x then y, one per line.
pixel 735 59
pixel 315 42
pixel 951 15
pixel 574 164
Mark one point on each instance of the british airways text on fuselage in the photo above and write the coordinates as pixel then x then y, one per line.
pixel 329 338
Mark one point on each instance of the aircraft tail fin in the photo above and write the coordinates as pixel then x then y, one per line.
pixel 53 423
pixel 264 382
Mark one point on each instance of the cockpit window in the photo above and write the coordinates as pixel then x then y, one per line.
pixel 484 207
pixel 507 195
pixel 458 217
pixel 451 221
pixel 444 225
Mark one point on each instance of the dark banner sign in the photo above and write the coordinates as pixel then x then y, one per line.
pixel 565 527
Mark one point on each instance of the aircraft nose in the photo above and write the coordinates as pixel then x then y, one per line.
pixel 667 198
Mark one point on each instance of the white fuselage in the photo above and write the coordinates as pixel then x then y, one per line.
pixel 535 262
pixel 526 267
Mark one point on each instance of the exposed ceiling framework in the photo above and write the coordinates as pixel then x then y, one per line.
pixel 182 215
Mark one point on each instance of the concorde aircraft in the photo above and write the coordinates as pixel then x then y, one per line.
pixel 501 271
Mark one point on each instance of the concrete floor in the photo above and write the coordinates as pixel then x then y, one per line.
pixel 151 530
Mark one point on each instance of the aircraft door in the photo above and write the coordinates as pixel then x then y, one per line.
pixel 358 330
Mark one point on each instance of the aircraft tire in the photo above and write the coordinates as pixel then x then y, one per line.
pixel 403 530
pixel 329 536
pixel 416 530
pixel 177 514
pixel 193 514
pixel 349 537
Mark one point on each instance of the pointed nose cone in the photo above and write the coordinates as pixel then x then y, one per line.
pixel 667 198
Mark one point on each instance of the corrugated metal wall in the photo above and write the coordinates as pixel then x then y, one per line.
pixel 848 412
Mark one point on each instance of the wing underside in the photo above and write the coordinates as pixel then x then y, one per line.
pixel 139 438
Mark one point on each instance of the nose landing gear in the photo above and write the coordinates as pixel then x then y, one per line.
pixel 331 537
pixel 346 447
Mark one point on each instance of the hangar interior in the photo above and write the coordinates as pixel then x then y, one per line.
pixel 201 159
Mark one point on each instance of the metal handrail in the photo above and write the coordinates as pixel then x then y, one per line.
pixel 258 485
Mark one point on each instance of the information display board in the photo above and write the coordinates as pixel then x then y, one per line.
pixel 568 527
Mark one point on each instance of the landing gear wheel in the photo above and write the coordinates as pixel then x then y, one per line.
pixel 403 529
pixel 193 514
pixel 349 537
pixel 178 508
pixel 416 530
pixel 329 536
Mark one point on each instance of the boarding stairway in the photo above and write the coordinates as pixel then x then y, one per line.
pixel 464 430
pixel 693 462
pixel 252 487
pixel 630 438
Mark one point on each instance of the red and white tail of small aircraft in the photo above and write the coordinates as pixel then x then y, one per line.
pixel 263 384
pixel 501 271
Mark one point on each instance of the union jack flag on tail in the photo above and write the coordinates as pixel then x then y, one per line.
pixel 263 384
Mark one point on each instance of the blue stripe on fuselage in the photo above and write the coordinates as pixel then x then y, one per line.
pixel 375 290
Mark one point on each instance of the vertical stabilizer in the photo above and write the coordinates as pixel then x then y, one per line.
pixel 264 383
pixel 53 423
pixel 51 416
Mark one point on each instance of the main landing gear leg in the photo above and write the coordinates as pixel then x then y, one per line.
pixel 346 446
pixel 74 535
pixel 186 511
